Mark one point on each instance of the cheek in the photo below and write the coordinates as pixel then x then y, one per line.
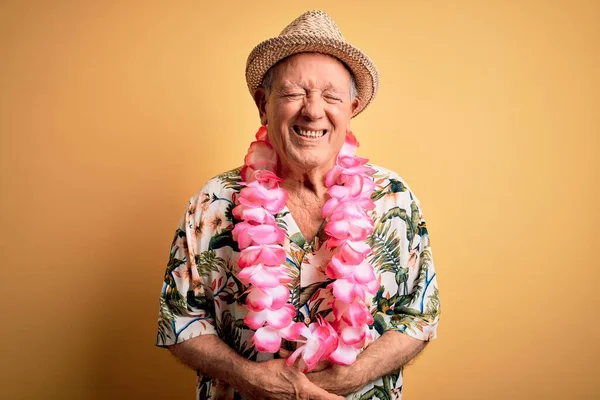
pixel 340 119
pixel 283 111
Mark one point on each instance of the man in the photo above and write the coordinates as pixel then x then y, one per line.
pixel 304 231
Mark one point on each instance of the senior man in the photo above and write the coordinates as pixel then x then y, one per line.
pixel 306 273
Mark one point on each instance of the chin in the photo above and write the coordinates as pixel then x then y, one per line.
pixel 315 162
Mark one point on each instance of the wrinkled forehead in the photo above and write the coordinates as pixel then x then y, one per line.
pixel 312 68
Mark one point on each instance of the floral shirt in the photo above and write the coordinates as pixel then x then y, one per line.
pixel 202 293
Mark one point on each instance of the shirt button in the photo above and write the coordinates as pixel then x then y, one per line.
pixel 307 320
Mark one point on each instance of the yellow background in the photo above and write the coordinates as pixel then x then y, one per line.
pixel 112 114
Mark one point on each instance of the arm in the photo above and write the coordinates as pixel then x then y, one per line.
pixel 266 380
pixel 187 323
pixel 387 354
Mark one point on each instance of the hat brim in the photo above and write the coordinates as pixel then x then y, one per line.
pixel 271 51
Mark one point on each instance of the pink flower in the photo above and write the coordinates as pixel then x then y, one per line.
pixel 344 354
pixel 348 209
pixel 350 145
pixel 267 339
pixel 262 134
pixel 256 195
pixel 343 193
pixel 352 339
pixel 253 214
pixel 360 273
pixel 264 277
pixel 247 234
pixel 276 319
pixel 267 179
pixel 260 156
pixel 320 341
pixel 347 168
pixel 354 335
pixel 265 254
pixel 353 252
pixel 355 229
pixel 354 314
pixel 346 289
pixel 274 298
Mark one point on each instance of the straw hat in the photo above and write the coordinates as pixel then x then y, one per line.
pixel 314 31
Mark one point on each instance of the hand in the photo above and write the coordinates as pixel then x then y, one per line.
pixel 274 379
pixel 321 365
pixel 337 379
pixel 333 378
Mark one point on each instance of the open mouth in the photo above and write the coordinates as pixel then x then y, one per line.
pixel 309 133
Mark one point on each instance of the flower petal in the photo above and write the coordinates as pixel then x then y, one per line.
pixel 343 290
pixel 363 273
pixel 258 299
pixel 349 254
pixel 281 318
pixel 294 356
pixel 330 206
pixel 261 155
pixel 249 256
pixel 352 335
pixel 266 234
pixel 266 339
pixel 267 179
pixel 337 269
pixel 260 276
pixel 344 354
pixel 253 214
pixel 355 314
pixel 332 176
pixel 288 332
pixel 355 185
pixel 254 319
pixel 246 274
pixel 267 255
pixel 338 229
pixel 262 134
pixel 280 295
pixel 272 255
pixel 349 147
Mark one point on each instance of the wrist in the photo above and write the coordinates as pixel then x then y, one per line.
pixel 358 374
pixel 244 373
pixel 341 379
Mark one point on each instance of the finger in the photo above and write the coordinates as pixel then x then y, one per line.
pixel 283 353
pixel 315 392
pixel 321 365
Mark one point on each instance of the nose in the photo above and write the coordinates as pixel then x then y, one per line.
pixel 313 108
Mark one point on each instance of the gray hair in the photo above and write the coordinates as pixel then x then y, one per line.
pixel 267 82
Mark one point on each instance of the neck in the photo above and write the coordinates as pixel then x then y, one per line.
pixel 302 181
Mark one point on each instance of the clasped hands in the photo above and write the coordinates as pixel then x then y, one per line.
pixel 276 380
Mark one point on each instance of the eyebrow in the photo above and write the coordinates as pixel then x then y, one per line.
pixel 328 87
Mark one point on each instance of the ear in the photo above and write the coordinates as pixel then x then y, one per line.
pixel 260 99
pixel 355 104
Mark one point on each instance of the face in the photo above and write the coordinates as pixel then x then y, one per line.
pixel 308 110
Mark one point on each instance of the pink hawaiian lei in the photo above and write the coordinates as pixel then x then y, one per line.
pixel 262 254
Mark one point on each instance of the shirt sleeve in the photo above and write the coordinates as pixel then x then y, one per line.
pixel 415 307
pixel 186 311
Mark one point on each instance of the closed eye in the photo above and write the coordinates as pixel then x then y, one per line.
pixel 333 99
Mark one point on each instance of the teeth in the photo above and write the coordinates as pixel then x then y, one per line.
pixel 310 134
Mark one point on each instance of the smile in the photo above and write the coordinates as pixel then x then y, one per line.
pixel 308 133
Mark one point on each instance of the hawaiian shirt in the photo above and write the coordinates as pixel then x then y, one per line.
pixel 202 293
